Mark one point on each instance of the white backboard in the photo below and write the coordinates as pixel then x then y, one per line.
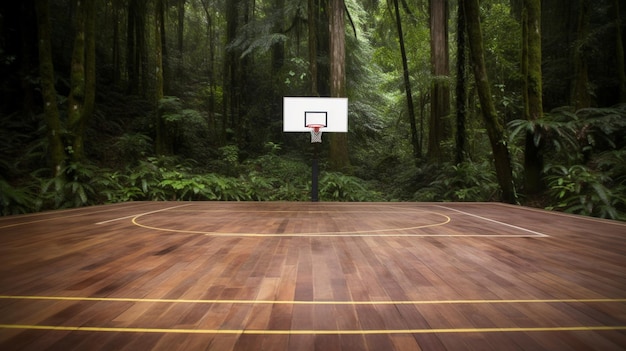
pixel 298 112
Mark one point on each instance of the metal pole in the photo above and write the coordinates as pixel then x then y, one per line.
pixel 315 171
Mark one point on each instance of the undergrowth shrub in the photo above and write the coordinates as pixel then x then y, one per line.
pixel 467 181
pixel 334 186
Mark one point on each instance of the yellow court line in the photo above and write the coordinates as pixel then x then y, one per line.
pixel 311 332
pixel 305 302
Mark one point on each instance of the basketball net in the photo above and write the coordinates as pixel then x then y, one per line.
pixel 316 133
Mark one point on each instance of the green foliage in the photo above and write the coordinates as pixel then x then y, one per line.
pixel 131 145
pixel 77 185
pixel 336 186
pixel 585 157
pixel 468 181
pixel 578 189
pixel 16 200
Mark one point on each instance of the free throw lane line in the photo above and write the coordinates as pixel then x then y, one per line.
pixel 498 222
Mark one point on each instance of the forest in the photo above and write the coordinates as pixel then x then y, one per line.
pixel 518 101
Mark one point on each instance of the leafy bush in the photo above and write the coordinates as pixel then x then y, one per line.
pixel 336 186
pixel 467 181
pixel 131 145
pixel 16 200
pixel 581 190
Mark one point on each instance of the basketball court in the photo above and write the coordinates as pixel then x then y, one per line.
pixel 311 276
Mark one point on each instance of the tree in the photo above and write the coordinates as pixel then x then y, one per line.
pixel 339 158
pixel 180 6
pixel 619 50
pixel 319 39
pixel 82 95
pixel 46 72
pixel 581 97
pixel 407 85
pixel 206 5
pixel 619 53
pixel 440 89
pixel 136 57
pixel 115 45
pixel 495 131
pixel 461 89
pixel 533 101
pixel 164 141
pixel 312 45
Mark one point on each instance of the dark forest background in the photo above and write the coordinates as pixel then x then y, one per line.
pixel 521 101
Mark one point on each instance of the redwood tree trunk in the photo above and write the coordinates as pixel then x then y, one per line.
pixel 581 98
pixel 494 128
pixel 533 106
pixel 46 72
pixel 339 159
pixel 81 99
pixel 619 53
pixel 461 89
pixel 163 142
pixel 312 30
pixel 440 90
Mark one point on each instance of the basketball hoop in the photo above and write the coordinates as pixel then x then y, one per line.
pixel 316 133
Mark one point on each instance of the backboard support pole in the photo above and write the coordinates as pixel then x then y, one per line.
pixel 314 175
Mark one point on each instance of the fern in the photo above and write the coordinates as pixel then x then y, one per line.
pixel 581 190
pixel 336 186
pixel 467 181
pixel 16 200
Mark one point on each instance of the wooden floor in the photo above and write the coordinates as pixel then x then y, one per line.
pixel 311 276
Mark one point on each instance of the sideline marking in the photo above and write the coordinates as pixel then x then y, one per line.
pixel 306 302
pixel 54 212
pixel 498 222
pixel 141 214
pixel 312 332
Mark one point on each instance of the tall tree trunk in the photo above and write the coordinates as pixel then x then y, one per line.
pixel 278 49
pixel 132 67
pixel 581 98
pixel 165 61
pixel 180 41
pixel 115 45
pixel 339 159
pixel 49 94
pixel 211 70
pixel 461 89
pixel 27 49
pixel 82 78
pixel 136 60
pixel 323 49
pixel 163 142
pixel 407 86
pixel 619 53
pixel 231 67
pixel 440 92
pixel 533 105
pixel 90 68
pixel 312 30
pixel 494 128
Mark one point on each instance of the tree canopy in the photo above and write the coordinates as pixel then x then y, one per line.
pixel 520 101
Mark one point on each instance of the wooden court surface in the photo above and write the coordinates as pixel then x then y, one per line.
pixel 311 276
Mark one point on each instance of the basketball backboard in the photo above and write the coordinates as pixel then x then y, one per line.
pixel 299 112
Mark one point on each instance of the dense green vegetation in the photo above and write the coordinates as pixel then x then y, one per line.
pixel 208 124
